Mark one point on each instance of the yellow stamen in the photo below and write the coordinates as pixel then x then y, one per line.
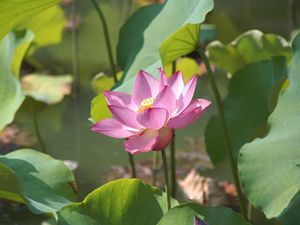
pixel 146 104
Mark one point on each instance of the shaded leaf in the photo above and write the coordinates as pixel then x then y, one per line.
pixel 36 179
pixel 141 36
pixel 13 12
pixel 252 46
pixel 12 51
pixel 120 202
pixel 270 167
pixel 184 215
pixel 46 88
pixel 252 96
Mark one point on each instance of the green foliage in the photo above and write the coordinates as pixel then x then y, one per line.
pixel 269 167
pixel 103 82
pixel 121 202
pixel 187 66
pixel 251 98
pixel 141 36
pixel 13 12
pixel 181 42
pixel 31 177
pixel 47 26
pixel 252 46
pixel 46 88
pixel 12 50
pixel 184 215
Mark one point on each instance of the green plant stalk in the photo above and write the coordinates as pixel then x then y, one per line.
pixel 229 147
pixel 75 48
pixel 112 64
pixel 293 13
pixel 37 129
pixel 166 172
pixel 173 153
pixel 107 38
pixel 132 165
pixel 154 167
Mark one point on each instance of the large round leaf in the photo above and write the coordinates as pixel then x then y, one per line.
pixel 184 215
pixel 270 167
pixel 121 202
pixel 253 91
pixel 252 46
pixel 36 179
pixel 141 36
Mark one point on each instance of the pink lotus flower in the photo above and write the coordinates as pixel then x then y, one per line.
pixel 147 118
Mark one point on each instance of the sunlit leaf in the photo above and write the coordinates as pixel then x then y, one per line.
pixel 13 12
pixel 99 108
pixel 47 26
pixel 121 202
pixel 184 215
pixel 36 179
pixel 252 46
pixel 103 82
pixel 182 42
pixel 46 88
pixel 270 167
pixel 12 51
pixel 251 99
pixel 142 34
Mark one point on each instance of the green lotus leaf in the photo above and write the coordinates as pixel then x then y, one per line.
pixel 252 96
pixel 251 46
pixel 120 202
pixel 144 32
pixel 12 50
pixel 269 167
pixel 46 88
pixel 36 179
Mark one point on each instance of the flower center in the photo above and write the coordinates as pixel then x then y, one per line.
pixel 146 104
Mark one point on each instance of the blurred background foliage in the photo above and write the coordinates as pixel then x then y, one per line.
pixel 64 127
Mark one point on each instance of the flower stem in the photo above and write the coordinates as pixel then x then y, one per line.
pixel 132 165
pixel 37 128
pixel 173 153
pixel 154 168
pixel 173 167
pixel 166 172
pixel 112 64
pixel 229 148
pixel 107 38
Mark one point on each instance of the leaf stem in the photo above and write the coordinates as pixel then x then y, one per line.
pixel 75 48
pixel 132 165
pixel 166 172
pixel 107 38
pixel 154 167
pixel 229 148
pixel 37 128
pixel 293 13
pixel 112 64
